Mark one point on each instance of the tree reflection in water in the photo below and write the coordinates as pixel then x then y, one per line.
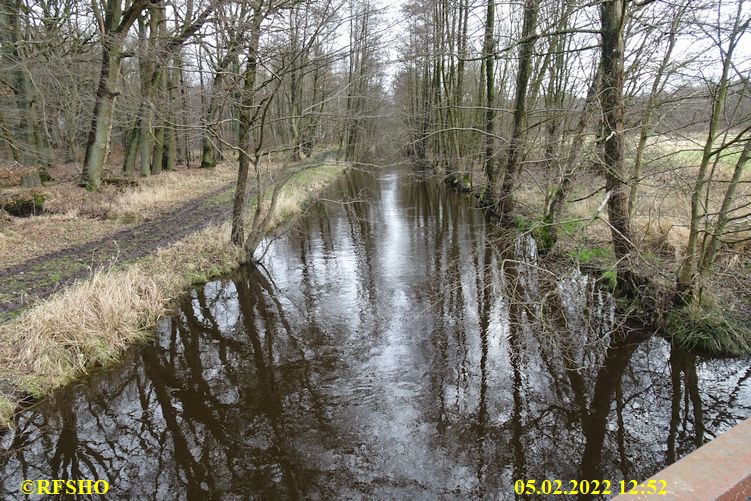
pixel 401 351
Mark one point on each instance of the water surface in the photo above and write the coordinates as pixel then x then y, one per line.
pixel 390 349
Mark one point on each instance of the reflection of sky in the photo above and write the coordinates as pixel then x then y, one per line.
pixel 362 373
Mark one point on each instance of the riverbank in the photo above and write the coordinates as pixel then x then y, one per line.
pixel 92 321
pixel 717 322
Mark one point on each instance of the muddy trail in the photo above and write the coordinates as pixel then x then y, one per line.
pixel 38 278
pixel 41 276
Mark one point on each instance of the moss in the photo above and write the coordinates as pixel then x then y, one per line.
pixel 608 279
pixel 39 386
pixel 523 224
pixel 44 176
pixel 592 254
pixel 203 276
pixel 459 182
pixel 544 237
pixel 24 205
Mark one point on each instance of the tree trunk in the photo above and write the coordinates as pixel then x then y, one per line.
pixel 186 155
pixel 132 150
pixel 686 274
pixel 553 213
pixel 646 124
pixel 7 136
pixel 209 150
pixel 13 56
pixel 713 245
pixel 97 146
pixel 488 48
pixel 158 156
pixel 170 126
pixel 147 137
pixel 158 87
pixel 613 15
pixel 246 145
pixel 519 134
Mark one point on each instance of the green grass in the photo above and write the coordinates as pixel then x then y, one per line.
pixel 709 329
pixel 543 235
pixel 220 199
pixel 203 276
pixel 602 258
pixel 523 224
pixel 46 273
pixel 692 157
pixel 592 254
pixel 570 227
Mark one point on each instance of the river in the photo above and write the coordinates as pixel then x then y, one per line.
pixel 392 347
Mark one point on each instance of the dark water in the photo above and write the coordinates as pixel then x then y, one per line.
pixel 392 350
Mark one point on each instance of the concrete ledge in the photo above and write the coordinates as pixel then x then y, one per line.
pixel 719 470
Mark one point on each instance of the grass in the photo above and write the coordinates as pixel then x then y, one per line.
pixel 523 224
pixel 158 192
pixel 7 407
pixel 659 230
pixel 710 329
pixel 609 279
pixel 304 186
pixel 45 273
pixel 592 254
pixel 92 322
pixel 660 221
pixel 78 216
pixel 691 155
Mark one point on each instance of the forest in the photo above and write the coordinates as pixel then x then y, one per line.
pixel 150 149
pixel 563 112
pixel 526 104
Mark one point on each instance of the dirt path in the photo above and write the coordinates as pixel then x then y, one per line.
pixel 41 276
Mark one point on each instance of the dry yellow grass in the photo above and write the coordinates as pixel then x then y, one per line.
pixel 662 213
pixel 158 192
pixel 71 222
pixel 92 322
pixel 305 186
pixel 22 239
